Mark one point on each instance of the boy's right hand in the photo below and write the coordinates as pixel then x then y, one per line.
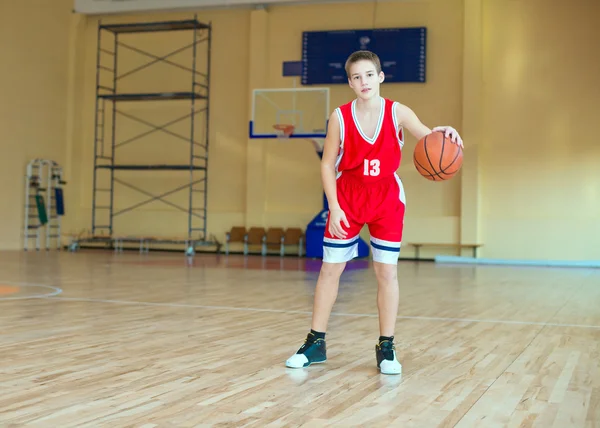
pixel 337 216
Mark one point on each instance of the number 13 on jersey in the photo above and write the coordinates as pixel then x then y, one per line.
pixel 371 167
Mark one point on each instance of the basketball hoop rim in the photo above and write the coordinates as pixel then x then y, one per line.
pixel 285 129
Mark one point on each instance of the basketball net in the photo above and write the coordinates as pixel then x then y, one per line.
pixel 284 130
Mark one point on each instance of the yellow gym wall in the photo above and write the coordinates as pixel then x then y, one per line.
pixel 540 164
pixel 33 106
pixel 521 95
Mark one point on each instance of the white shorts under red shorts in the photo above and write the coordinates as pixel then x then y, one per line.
pixel 381 206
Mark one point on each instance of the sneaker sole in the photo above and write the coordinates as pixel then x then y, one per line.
pixel 389 373
pixel 307 365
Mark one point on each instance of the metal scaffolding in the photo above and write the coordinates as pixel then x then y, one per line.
pixel 108 100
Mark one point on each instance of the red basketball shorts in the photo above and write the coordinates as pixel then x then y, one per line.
pixel 379 205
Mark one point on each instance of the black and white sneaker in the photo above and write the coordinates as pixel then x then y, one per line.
pixel 387 363
pixel 312 351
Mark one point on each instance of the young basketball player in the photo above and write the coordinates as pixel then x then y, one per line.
pixel 362 152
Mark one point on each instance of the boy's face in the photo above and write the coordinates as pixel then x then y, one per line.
pixel 364 79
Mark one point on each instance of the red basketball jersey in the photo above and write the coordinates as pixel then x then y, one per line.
pixel 369 159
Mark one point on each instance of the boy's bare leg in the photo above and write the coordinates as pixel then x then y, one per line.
pixel 314 349
pixel 388 297
pixel 326 294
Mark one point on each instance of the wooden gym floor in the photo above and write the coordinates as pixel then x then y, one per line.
pixel 96 339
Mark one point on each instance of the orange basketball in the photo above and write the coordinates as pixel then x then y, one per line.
pixel 437 158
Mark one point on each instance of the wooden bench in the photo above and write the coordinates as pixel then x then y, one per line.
pixel 418 246
pixel 145 241
pixel 77 238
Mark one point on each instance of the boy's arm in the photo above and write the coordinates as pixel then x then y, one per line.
pixel 330 152
pixel 408 119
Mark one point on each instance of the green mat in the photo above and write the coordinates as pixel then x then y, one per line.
pixel 41 206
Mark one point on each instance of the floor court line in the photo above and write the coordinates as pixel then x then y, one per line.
pixel 339 314
pixel 54 291
pixel 516 357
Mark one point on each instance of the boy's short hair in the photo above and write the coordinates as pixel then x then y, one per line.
pixel 360 56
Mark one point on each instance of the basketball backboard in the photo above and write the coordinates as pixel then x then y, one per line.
pixel 306 109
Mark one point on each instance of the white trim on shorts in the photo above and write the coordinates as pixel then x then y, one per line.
pixel 340 250
pixel 385 251
pixel 401 195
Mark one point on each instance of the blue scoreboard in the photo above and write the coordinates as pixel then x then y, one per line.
pixel 402 52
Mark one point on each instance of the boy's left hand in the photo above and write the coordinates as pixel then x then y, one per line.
pixel 451 133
